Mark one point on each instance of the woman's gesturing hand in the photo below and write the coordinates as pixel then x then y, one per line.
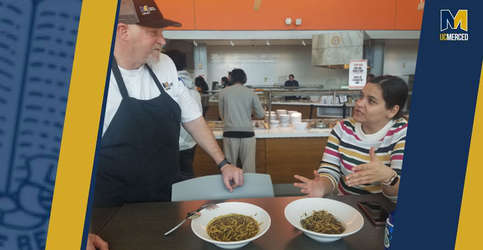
pixel 373 171
pixel 316 187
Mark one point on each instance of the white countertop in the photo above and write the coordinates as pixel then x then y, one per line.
pixel 288 132
pixel 295 103
pixel 310 103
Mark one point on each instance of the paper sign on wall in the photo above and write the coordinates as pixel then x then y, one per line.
pixel 357 74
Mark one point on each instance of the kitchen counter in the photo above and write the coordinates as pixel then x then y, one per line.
pixel 280 152
pixel 307 108
pixel 298 103
pixel 280 132
pixel 288 132
pixel 317 104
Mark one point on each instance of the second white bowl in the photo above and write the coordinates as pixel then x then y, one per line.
pixel 198 226
pixel 347 215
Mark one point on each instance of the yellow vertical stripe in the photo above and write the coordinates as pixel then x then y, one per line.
pixel 81 124
pixel 468 236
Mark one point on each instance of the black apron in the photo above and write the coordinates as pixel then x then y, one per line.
pixel 139 155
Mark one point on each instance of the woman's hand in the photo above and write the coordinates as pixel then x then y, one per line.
pixel 317 187
pixel 373 171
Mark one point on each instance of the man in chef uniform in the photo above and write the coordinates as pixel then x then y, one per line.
pixel 138 157
pixel 146 104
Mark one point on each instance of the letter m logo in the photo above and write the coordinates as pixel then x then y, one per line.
pixel 449 21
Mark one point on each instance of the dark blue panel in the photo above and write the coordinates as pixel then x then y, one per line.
pixel 439 132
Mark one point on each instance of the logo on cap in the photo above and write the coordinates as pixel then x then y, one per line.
pixel 146 10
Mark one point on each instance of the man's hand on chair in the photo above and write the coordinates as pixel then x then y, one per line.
pixel 232 176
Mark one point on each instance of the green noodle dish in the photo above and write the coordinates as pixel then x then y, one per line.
pixel 322 222
pixel 232 227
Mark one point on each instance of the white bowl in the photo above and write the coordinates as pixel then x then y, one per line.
pixel 314 98
pixel 198 226
pixel 347 215
pixel 300 125
pixel 274 124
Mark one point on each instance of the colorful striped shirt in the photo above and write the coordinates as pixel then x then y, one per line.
pixel 348 147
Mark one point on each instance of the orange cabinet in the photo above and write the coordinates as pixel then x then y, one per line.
pixel 315 14
pixel 343 15
pixel 180 10
pixel 409 14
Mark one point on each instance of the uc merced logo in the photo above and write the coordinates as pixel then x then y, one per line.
pixel 453 27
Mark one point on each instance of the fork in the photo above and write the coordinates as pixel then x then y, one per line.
pixel 192 215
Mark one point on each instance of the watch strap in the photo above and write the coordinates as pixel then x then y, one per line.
pixel 389 182
pixel 394 181
pixel 223 163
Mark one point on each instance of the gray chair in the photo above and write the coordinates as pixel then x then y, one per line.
pixel 211 187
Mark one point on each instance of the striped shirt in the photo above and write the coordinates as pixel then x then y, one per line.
pixel 348 147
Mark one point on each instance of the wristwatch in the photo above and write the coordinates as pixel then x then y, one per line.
pixel 223 163
pixel 393 180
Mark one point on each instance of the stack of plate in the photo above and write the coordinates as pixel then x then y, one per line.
pixel 295 118
pixel 274 123
pixel 272 115
pixel 300 125
pixel 284 120
pixel 281 112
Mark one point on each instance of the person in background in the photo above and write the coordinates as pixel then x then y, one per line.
pixel 364 153
pixel 201 85
pixel 229 78
pixel 187 144
pixel 291 82
pixel 202 88
pixel 370 77
pixel 225 82
pixel 236 104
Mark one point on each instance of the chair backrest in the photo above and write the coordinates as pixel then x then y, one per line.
pixel 211 187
